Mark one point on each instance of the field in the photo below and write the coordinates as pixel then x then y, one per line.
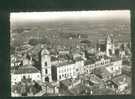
pixel 94 29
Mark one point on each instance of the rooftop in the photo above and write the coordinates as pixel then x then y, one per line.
pixel 121 79
pixel 89 62
pixel 63 63
pixel 26 69
pixel 102 71
pixel 76 90
pixel 78 59
pixel 36 49
pixel 113 59
pixel 95 79
pixel 66 57
pixel 69 82
pixel 101 41
pixel 54 58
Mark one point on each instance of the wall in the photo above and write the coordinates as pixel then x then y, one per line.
pixel 18 77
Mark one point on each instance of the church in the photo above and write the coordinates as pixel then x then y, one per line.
pixel 107 46
pixel 45 63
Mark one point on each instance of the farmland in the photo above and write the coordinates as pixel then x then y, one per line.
pixel 53 30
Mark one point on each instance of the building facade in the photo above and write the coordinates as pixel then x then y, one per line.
pixel 67 70
pixel 29 72
pixel 100 63
pixel 115 68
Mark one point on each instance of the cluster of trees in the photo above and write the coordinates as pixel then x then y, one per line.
pixel 126 61
pixel 89 56
pixel 27 87
pixel 34 42
pixel 18 30
pixel 73 35
pixel 12 50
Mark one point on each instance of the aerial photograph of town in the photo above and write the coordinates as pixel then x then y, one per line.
pixel 70 53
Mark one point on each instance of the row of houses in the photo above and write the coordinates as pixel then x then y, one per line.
pixel 67 70
pixel 63 70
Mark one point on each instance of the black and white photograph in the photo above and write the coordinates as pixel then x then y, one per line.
pixel 70 53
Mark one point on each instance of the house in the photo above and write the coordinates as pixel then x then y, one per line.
pixel 122 82
pixel 90 65
pixel 102 73
pixel 66 70
pixel 69 83
pixel 27 71
pixel 115 68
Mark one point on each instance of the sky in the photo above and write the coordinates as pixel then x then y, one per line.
pixel 69 15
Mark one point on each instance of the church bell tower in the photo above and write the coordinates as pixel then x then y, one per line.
pixel 45 66
pixel 109 46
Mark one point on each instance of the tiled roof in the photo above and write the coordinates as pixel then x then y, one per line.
pixel 26 69
pixel 101 41
pixel 36 49
pixel 102 71
pixel 64 63
pixel 49 85
pixel 113 59
pixel 54 58
pixel 119 79
pixel 63 57
pixel 76 90
pixel 88 62
pixel 95 79
pixel 69 82
pixel 78 59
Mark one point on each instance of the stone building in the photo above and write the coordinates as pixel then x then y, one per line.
pixel 27 71
pixel 109 46
pixel 45 62
pixel 67 70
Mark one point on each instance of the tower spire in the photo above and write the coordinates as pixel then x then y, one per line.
pixel 109 45
pixel 108 37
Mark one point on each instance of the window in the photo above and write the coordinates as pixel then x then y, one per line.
pixel 59 76
pixel 59 71
pixel 111 68
pixel 62 75
pixel 45 63
pixel 46 71
pixel 28 76
pixel 110 51
pixel 38 76
pixel 67 75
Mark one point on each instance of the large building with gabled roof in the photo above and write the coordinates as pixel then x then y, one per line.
pixel 27 71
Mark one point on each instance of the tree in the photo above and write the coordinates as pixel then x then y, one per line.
pixel 12 50
pixel 44 41
pixel 122 47
pixel 33 42
pixel 87 42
